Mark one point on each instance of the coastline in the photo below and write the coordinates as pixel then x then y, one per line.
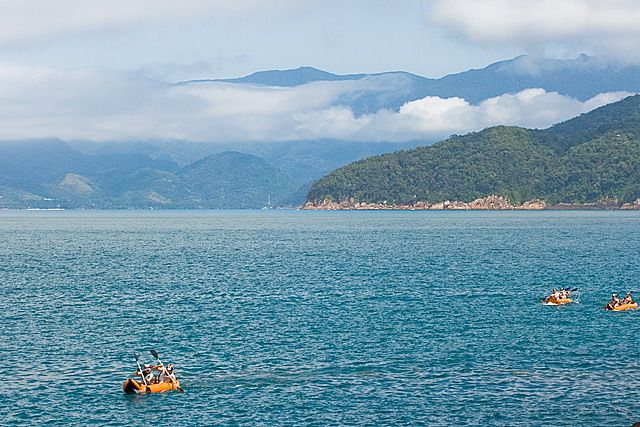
pixel 489 203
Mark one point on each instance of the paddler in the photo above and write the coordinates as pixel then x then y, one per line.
pixel 168 376
pixel 615 301
pixel 148 375
pixel 628 299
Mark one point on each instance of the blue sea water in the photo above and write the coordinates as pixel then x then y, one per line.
pixel 319 318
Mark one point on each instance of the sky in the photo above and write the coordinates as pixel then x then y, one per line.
pixel 229 38
pixel 103 69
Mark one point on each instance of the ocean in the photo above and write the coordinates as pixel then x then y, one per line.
pixel 319 318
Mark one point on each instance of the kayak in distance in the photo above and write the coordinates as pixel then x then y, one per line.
pixel 616 304
pixel 559 297
pixel 156 378
pixel 557 301
pixel 132 385
pixel 622 307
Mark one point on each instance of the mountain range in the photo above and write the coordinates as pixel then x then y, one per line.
pixel 581 78
pixel 194 174
pixel 51 174
pixel 167 174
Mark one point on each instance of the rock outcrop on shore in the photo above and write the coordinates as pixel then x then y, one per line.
pixel 631 206
pixel 491 203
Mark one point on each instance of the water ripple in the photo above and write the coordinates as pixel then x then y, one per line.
pixel 313 318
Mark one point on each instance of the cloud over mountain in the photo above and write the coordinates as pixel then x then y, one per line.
pixel 433 117
pixel 110 105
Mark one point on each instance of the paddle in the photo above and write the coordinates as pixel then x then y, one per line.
pixel 164 370
pixel 135 354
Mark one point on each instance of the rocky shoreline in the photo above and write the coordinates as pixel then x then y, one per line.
pixel 493 203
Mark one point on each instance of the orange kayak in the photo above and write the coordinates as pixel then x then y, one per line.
pixel 623 307
pixel 133 386
pixel 557 301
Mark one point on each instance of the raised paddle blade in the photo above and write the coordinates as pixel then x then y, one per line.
pixel 135 354
pixel 154 354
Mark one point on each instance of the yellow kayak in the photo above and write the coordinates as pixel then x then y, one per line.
pixel 133 386
pixel 622 307
pixel 551 300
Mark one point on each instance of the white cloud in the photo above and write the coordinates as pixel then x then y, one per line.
pixel 605 27
pixel 36 20
pixel 107 105
pixel 104 105
pixel 434 117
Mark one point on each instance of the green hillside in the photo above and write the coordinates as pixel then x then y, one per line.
pixel 51 173
pixel 591 158
pixel 236 180
pixel 219 181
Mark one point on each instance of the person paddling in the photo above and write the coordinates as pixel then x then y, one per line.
pixel 148 374
pixel 168 376
pixel 628 299
pixel 614 301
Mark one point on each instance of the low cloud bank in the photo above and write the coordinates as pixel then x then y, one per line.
pixel 107 105
pixel 434 117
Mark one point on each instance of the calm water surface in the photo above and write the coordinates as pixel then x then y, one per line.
pixel 319 318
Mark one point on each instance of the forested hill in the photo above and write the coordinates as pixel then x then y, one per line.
pixel 590 158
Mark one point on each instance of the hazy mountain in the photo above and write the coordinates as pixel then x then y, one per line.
pixel 304 161
pixel 236 180
pixel 51 174
pixel 169 173
pixel 591 158
pixel 581 78
pixel 284 78
pixel 28 164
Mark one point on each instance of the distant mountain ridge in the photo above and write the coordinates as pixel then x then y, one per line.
pixel 181 174
pixel 580 78
pixel 589 159
pixel 220 181
pixel 296 77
